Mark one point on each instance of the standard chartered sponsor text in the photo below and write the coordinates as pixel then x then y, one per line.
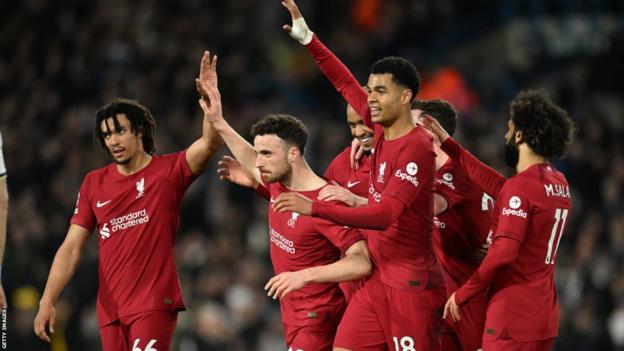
pixel 129 220
pixel 280 241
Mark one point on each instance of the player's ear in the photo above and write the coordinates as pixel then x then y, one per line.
pixel 519 138
pixel 293 153
pixel 406 97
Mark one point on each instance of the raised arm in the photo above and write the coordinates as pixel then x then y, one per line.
pixel 207 85
pixel 63 269
pixel 337 73
pixel 202 150
pixel 484 176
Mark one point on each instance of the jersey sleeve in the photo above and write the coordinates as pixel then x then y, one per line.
pixel 485 177
pixel 83 213
pixel 335 170
pixel 413 170
pixel 341 78
pixel 181 172
pixel 452 186
pixel 343 237
pixel 515 214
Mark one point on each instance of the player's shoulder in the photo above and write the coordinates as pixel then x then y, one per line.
pixel 417 140
pixel 170 157
pixel 345 154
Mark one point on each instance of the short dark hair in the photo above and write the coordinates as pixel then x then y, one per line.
pixel 403 72
pixel 545 127
pixel 141 121
pixel 441 110
pixel 286 127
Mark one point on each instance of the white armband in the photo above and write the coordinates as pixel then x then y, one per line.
pixel 300 31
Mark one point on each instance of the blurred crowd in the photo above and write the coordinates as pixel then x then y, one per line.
pixel 61 60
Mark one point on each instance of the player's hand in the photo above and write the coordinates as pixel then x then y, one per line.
pixel 232 171
pixel 286 282
pixel 451 309
pixel 3 300
pixel 357 150
pixel 46 316
pixel 482 252
pixel 207 86
pixel 293 202
pixel 337 193
pixel 435 128
pixel 299 29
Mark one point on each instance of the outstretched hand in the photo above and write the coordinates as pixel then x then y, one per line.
pixel 299 29
pixel 293 202
pixel 231 170
pixel 435 128
pixel 451 309
pixel 207 86
pixel 357 151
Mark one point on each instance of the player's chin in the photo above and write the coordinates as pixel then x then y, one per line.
pixel 122 161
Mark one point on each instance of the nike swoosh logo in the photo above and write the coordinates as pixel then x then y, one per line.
pixel 102 204
pixel 351 185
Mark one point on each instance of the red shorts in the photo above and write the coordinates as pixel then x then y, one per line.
pixel 512 345
pixel 380 317
pixel 308 338
pixel 151 330
pixel 469 330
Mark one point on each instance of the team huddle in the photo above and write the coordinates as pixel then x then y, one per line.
pixel 407 242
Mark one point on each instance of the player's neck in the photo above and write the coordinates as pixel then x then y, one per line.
pixel 137 163
pixel 303 178
pixel 528 158
pixel 400 127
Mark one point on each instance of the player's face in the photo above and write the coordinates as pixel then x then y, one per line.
pixel 120 141
pixel 385 98
pixel 359 130
pixel 272 161
pixel 512 152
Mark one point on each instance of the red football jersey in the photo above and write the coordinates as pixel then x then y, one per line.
pixel 299 242
pixel 354 180
pixel 136 217
pixel 404 169
pixel 533 208
pixel 463 227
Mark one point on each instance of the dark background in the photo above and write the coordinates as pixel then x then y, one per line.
pixel 61 60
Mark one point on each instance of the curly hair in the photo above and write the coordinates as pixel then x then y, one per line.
pixel 141 121
pixel 441 110
pixel 403 72
pixel 286 127
pixel 545 127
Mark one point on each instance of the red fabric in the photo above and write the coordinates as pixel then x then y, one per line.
pixel 152 330
pixel 299 242
pixel 377 216
pixel 485 177
pixel 462 228
pixel 309 338
pixel 354 180
pixel 402 169
pixel 532 210
pixel 502 252
pixel 136 217
pixel 378 314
